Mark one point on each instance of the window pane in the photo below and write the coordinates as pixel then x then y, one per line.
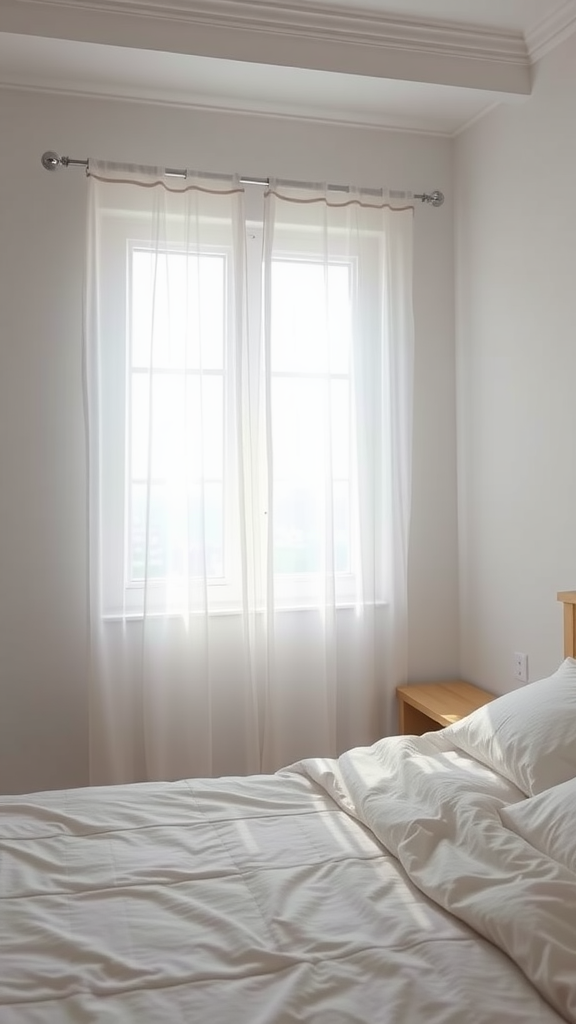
pixel 299 437
pixel 301 524
pixel 340 421
pixel 205 427
pixel 185 531
pixel 157 533
pixel 177 422
pixel 298 529
pixel 178 310
pixel 303 482
pixel 342 532
pixel 304 443
pixel 310 360
pixel 178 316
pixel 311 316
pixel 206 532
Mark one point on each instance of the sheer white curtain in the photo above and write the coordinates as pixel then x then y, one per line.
pixel 172 687
pixel 249 485
pixel 338 358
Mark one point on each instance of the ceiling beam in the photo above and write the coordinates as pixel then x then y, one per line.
pixel 288 34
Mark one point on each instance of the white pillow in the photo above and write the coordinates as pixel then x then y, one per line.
pixel 547 822
pixel 529 735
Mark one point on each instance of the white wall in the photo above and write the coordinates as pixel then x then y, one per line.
pixel 516 352
pixel 43 662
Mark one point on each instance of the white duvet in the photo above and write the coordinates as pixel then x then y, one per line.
pixel 381 887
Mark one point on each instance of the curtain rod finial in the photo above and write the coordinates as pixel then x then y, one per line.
pixel 435 198
pixel 50 161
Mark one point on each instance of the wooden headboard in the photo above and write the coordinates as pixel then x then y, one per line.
pixel 568 598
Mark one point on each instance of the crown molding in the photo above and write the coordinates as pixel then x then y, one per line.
pixel 385 123
pixel 552 31
pixel 361 25
pixel 303 20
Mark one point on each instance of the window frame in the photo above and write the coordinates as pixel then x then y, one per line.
pixel 120 229
pixel 120 234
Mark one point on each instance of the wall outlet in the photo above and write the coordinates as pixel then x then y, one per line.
pixel 521 666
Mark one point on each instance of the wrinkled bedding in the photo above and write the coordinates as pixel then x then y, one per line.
pixel 382 886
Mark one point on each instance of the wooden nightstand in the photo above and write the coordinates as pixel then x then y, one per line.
pixel 426 706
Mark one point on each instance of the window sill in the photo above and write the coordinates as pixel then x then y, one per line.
pixel 118 617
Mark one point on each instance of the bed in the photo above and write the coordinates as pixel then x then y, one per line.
pixel 426 878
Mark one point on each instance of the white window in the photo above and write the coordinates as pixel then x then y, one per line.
pixel 310 365
pixel 175 504
pixel 169 502
pixel 176 377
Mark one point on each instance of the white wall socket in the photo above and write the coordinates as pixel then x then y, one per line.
pixel 521 666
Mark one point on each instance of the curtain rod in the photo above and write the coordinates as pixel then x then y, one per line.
pixel 51 161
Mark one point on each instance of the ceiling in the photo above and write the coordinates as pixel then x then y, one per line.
pixel 418 65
